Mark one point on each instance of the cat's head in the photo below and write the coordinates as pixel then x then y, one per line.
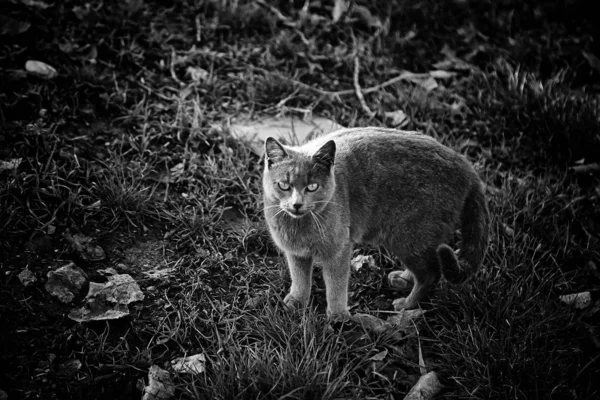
pixel 295 181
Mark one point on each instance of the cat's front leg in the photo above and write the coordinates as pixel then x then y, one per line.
pixel 301 274
pixel 336 274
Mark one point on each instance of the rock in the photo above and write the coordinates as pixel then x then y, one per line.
pixel 67 283
pixel 27 277
pixel 160 386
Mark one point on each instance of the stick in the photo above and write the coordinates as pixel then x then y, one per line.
pixel 358 90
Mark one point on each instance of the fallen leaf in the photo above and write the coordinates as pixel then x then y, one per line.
pixel 339 8
pixel 360 260
pixel 98 311
pixel 379 356
pixel 10 165
pixel 40 69
pixel 426 388
pixel 377 326
pixel 197 74
pixel 109 300
pixel 424 80
pixel 189 365
pixel 160 386
pixel 586 168
pixel 578 300
pixel 398 118
pixel 291 130
pixel 120 289
pixel 441 74
pixel 108 271
pixel 592 60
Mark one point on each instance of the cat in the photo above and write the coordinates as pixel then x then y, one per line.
pixel 397 189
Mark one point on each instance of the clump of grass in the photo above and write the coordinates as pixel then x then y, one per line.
pixel 123 198
pixel 505 335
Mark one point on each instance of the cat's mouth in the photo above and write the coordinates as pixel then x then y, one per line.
pixel 296 213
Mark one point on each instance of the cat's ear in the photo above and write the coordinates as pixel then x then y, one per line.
pixel 325 156
pixel 274 151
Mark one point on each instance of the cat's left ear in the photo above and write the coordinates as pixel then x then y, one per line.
pixel 274 151
pixel 325 156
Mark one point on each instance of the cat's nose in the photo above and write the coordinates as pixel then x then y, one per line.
pixel 297 206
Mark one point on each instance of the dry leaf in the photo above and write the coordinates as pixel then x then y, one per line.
pixel 189 365
pixel 441 74
pixel 423 80
pixel 586 168
pixel 426 388
pixel 108 300
pixel 339 8
pixel 197 74
pixel 398 118
pixel 379 356
pixel 10 165
pixel 291 130
pixel 40 69
pixel 592 60
pixel 578 300
pixel 359 261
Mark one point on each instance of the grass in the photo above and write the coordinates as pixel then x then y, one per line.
pixel 126 147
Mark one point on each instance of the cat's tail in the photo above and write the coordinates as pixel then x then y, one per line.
pixel 475 220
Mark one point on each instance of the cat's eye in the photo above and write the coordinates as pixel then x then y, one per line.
pixel 283 186
pixel 312 187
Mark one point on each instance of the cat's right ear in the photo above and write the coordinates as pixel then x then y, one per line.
pixel 274 151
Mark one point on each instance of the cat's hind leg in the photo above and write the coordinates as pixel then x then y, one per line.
pixel 425 272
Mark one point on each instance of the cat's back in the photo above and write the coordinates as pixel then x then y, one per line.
pixel 385 149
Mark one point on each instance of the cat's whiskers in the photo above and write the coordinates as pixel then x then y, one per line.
pixel 319 226
pixel 328 202
pixel 269 207
pixel 281 210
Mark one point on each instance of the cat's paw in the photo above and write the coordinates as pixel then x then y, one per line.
pixel 400 279
pixel 292 302
pixel 403 304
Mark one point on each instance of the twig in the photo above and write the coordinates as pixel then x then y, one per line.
pixel 404 76
pixel 198 29
pixel 172 66
pixel 358 90
pixel 285 20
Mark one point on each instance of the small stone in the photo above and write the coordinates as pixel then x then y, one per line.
pixel 67 283
pixel 27 277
